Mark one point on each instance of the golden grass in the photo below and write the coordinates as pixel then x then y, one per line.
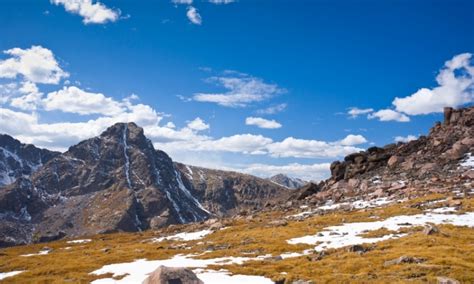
pixel 450 253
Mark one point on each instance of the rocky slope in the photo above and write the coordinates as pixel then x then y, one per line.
pixel 228 193
pixel 286 181
pixel 17 159
pixel 119 182
pixel 430 164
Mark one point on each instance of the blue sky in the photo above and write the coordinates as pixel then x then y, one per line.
pixel 193 73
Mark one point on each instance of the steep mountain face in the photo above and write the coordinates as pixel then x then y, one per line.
pixel 17 159
pixel 430 164
pixel 227 193
pixel 114 182
pixel 286 181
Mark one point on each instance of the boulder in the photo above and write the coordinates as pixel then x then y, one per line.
pixel 172 275
pixel 430 229
pixel 404 259
pixel 394 160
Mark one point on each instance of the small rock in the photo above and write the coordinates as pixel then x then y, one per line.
pixel 430 229
pixel 356 248
pixel 403 259
pixel 278 223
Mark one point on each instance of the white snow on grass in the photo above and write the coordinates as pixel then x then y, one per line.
pixel 79 241
pixel 184 236
pixel 349 233
pixel 4 275
pixel 223 276
pixel 138 270
pixel 41 252
pixel 468 162
pixel 358 204
pixel 443 210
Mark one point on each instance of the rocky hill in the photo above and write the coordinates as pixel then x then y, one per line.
pixel 17 159
pixel 287 181
pixel 119 182
pixel 429 164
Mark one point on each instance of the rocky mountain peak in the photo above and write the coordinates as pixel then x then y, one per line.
pixel 287 181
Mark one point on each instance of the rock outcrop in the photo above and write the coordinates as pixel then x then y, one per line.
pixel 429 164
pixel 119 182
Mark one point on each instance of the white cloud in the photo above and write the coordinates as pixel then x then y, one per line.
pixel 187 2
pixel 273 109
pixel 198 124
pixel 241 91
pixel 311 172
pixel 301 148
pixel 405 138
pixel 194 16
pixel 354 112
pixel 74 100
pixel 352 140
pixel 92 13
pixel 455 88
pixel 35 64
pixel 262 122
pixel 389 115
pixel 221 1
pixel 30 97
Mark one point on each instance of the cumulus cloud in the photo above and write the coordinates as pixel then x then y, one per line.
pixel 352 139
pixel 273 109
pixel 198 124
pixel 194 16
pixel 74 100
pixel 455 88
pixel 242 90
pixel 405 139
pixel 262 122
pixel 36 64
pixel 30 97
pixel 302 148
pixel 92 13
pixel 389 115
pixel 354 112
pixel 310 172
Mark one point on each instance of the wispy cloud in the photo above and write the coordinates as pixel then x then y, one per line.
pixel 354 112
pixel 272 109
pixel 241 90
pixel 262 122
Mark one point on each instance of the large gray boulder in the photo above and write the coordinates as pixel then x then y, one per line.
pixel 172 275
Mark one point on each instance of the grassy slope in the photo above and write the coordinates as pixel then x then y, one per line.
pixel 449 253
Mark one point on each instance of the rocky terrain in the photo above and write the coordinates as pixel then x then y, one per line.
pixel 119 182
pixel 403 213
pixel 20 160
pixel 429 164
pixel 286 181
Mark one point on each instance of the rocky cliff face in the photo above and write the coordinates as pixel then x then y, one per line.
pixel 17 159
pixel 286 181
pixel 228 193
pixel 118 182
pixel 429 164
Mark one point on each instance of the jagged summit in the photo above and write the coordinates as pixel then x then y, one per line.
pixel 17 159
